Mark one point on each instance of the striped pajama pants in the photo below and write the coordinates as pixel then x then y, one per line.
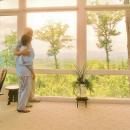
pixel 25 85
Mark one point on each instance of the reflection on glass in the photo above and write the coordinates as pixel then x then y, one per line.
pixel 104 2
pixel 8 4
pixel 8 27
pixel 50 3
pixel 54 39
pixel 106 40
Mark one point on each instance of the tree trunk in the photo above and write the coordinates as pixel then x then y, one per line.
pixel 56 62
pixel 107 57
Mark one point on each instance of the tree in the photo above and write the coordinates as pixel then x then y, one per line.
pixel 104 24
pixel 7 56
pixel 55 35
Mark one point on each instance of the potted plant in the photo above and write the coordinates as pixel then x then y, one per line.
pixel 82 84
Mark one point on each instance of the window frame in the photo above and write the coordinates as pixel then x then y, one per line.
pixel 81 9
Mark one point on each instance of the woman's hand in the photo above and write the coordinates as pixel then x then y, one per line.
pixel 25 52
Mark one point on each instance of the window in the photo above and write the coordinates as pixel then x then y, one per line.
pixel 8 4
pixel 62 38
pixel 106 40
pixel 8 25
pixel 50 3
pixel 55 44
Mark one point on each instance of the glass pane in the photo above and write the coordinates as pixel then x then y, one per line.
pixel 104 2
pixel 54 39
pixel 54 85
pixel 110 86
pixel 8 4
pixel 106 40
pixel 8 38
pixel 50 3
pixel 11 79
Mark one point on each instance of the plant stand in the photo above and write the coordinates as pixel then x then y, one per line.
pixel 83 99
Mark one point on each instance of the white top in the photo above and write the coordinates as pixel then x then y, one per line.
pixel 12 87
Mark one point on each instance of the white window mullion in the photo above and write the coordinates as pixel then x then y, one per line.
pixel 81 33
pixel 21 17
pixel 50 9
pixel 8 12
pixel 91 72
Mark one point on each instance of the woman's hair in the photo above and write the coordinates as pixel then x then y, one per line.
pixel 28 31
pixel 25 40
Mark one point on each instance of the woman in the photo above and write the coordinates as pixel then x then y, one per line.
pixel 27 31
pixel 25 73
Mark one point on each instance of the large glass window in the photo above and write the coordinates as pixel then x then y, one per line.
pixel 55 43
pixel 106 40
pixel 8 4
pixel 50 3
pixel 8 25
pixel 54 39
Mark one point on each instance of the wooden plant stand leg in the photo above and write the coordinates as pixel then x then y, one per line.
pixel 83 99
